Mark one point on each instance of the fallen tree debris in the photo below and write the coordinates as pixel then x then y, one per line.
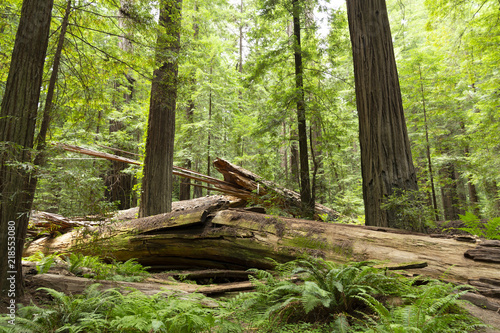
pixel 237 182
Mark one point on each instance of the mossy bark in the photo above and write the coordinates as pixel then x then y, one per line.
pixel 238 239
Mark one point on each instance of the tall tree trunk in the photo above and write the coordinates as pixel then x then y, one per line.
pixel 157 182
pixel 17 130
pixel 386 161
pixel 493 194
pixel 450 193
pixel 284 153
pixel 471 187
pixel 185 186
pixel 305 184
pixel 428 149
pixel 41 139
pixel 319 186
pixel 209 147
pixel 119 184
pixel 294 159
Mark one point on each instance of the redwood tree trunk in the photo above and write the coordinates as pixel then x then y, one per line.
pixel 294 159
pixel 185 185
pixel 157 182
pixel 17 130
pixel 386 160
pixel 120 185
pixel 450 193
pixel 305 183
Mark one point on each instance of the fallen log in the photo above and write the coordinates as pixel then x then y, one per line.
pixel 266 192
pixel 488 251
pixel 238 239
pixel 75 285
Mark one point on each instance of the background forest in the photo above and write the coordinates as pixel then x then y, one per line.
pixel 236 91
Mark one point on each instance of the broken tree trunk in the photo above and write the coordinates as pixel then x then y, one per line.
pixel 216 237
pixel 237 182
pixel 267 191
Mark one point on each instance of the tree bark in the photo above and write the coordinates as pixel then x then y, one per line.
pixel 120 185
pixel 215 237
pixel 493 195
pixel 185 185
pixel 386 160
pixel 294 160
pixel 157 185
pixel 305 183
pixel 17 130
pixel 264 192
pixel 428 149
pixel 450 193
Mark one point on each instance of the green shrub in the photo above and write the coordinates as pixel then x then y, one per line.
pixel 327 291
pixel 130 270
pixel 428 308
pixel 110 311
pixel 43 262
pixel 474 226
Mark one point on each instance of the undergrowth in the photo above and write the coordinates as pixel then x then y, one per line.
pixel 356 297
pixel 474 226
pixel 92 267
pixel 305 295
pixel 110 311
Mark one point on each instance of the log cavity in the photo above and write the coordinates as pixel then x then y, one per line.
pixel 210 276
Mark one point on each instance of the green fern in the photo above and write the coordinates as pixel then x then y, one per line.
pixel 435 309
pixel 474 226
pixel 328 289
pixel 109 311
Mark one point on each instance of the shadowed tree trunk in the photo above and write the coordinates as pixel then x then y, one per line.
pixel 294 159
pixel 17 130
pixel 185 186
pixel 428 149
pixel 386 160
pixel 157 184
pixel 119 184
pixel 492 193
pixel 451 196
pixel 305 183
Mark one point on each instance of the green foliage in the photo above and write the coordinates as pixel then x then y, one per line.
pixel 328 290
pixel 110 311
pixel 129 270
pixel 305 295
pixel 93 267
pixel 410 210
pixel 433 307
pixel 489 229
pixel 43 262
pixel 351 298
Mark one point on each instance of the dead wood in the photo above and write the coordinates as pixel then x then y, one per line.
pixel 71 285
pixel 237 239
pixel 75 285
pixel 487 251
pixel 237 182
pixel 268 193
